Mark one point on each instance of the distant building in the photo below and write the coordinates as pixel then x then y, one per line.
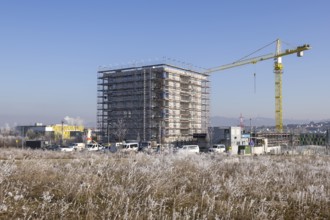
pixel 227 135
pixel 162 103
pixel 67 131
pixel 37 128
pixel 56 132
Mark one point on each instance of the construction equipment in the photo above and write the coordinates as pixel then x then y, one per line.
pixel 278 70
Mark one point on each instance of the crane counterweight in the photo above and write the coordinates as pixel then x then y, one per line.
pixel 300 53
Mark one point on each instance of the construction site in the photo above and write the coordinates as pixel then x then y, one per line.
pixel 161 102
pixel 168 103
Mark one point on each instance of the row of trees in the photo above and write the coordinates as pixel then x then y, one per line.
pixel 9 137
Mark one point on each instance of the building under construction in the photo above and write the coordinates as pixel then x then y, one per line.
pixel 162 103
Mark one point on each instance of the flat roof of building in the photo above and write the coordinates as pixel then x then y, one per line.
pixel 130 68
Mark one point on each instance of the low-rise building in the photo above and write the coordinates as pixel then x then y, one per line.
pixel 231 137
pixel 54 132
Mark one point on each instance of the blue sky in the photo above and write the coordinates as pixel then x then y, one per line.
pixel 50 52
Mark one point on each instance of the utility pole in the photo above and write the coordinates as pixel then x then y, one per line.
pixel 62 132
pixel 23 137
pixel 159 132
pixel 108 131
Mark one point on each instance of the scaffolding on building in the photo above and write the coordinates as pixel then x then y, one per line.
pixel 160 102
pixel 280 139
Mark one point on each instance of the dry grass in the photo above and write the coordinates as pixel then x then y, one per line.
pixel 85 185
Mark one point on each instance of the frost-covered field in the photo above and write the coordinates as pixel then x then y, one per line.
pixel 85 185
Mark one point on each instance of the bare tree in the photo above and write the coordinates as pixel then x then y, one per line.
pixel 8 136
pixel 31 134
pixel 120 129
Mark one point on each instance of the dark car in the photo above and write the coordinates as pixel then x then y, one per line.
pixel 54 148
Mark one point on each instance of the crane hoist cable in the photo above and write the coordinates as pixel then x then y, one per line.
pixel 255 82
pixel 254 52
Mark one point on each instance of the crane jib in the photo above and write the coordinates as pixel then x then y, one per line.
pixel 257 59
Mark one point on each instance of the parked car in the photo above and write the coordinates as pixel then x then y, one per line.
pixel 94 147
pixel 112 148
pixel 217 148
pixel 144 146
pixel 130 147
pixel 54 148
pixel 67 148
pixel 78 146
pixel 188 149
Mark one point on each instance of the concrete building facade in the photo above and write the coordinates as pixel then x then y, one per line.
pixel 162 103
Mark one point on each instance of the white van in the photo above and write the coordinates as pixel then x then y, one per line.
pixel 94 147
pixel 188 149
pixel 67 148
pixel 218 148
pixel 130 147
pixel 75 147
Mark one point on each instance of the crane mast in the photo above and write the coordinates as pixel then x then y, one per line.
pixel 278 70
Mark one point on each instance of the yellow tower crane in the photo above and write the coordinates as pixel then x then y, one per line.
pixel 278 70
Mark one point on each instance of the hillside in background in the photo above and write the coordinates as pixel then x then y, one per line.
pixel 216 121
pixel 259 121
